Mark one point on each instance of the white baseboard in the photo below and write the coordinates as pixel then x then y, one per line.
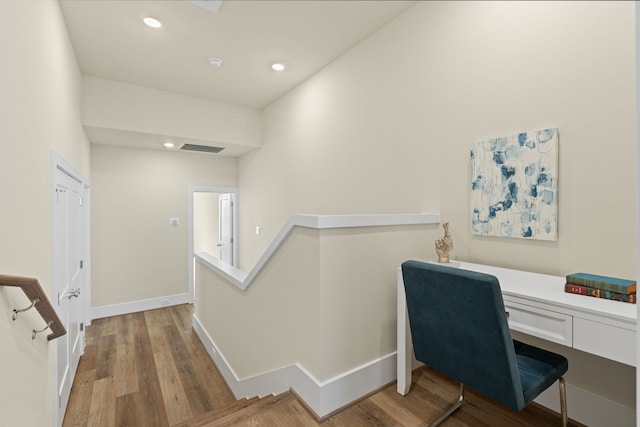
pixel 137 306
pixel 325 398
pixel 588 408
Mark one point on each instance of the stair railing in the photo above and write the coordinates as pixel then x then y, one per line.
pixel 32 289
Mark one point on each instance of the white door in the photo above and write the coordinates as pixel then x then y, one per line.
pixel 225 227
pixel 68 281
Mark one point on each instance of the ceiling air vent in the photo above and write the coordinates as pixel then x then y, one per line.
pixel 201 148
pixel 210 5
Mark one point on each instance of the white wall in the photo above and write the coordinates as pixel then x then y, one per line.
pixel 39 111
pixel 357 293
pixel 325 301
pixel 260 330
pixel 137 254
pixel 388 127
pixel 112 105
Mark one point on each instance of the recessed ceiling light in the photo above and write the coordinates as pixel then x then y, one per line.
pixel 168 145
pixel 152 22
pixel 276 66
pixel 215 62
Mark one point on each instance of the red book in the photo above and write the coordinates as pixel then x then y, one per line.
pixel 599 293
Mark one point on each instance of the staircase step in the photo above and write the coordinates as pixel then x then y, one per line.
pixel 230 408
pixel 238 411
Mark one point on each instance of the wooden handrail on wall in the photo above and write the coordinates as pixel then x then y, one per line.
pixel 32 289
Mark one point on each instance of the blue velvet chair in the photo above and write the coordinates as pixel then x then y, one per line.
pixel 459 327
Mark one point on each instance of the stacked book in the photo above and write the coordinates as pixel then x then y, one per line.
pixel 601 287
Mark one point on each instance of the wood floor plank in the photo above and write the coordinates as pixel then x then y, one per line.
pixel 89 359
pixel 196 390
pixel 375 415
pixel 485 410
pixel 138 325
pixel 128 410
pixel 77 414
pixel 126 377
pixel 301 417
pixel 207 418
pixel 202 380
pixel 428 403
pixel 388 404
pixel 102 411
pixel 106 357
pixel 150 369
pixel 157 321
pixel 109 325
pixel 288 411
pixel 123 329
pixel 182 317
pixel 175 399
pixel 248 414
pixel 152 410
pixel 354 416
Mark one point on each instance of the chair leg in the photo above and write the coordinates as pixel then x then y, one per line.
pixel 451 410
pixel 563 402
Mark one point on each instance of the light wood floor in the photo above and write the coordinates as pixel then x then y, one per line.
pixel 150 369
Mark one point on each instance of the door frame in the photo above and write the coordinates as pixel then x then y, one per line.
pixel 232 241
pixel 191 255
pixel 59 163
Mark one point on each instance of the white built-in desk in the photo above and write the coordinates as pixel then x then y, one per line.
pixel 537 305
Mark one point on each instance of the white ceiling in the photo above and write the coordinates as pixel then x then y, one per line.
pixel 110 41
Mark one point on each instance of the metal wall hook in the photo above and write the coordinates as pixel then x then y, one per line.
pixel 34 332
pixel 14 316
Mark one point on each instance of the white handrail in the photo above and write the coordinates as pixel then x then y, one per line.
pixel 242 280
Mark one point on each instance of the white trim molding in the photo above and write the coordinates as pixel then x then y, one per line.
pixel 190 237
pixel 322 398
pixel 60 164
pixel 140 305
pixel 327 397
pixel 588 408
pixel 242 280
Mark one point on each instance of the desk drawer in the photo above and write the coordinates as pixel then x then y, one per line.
pixel 610 341
pixel 540 323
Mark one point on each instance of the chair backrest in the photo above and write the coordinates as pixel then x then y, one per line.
pixel 459 327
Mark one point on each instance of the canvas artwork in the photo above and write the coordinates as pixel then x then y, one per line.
pixel 514 186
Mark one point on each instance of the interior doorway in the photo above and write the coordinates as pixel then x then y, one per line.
pixel 71 282
pixel 226 242
pixel 213 219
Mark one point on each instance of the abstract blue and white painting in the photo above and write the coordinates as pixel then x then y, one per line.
pixel 514 186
